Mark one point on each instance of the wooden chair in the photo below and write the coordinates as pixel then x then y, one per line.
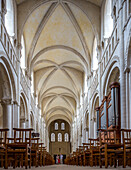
pixel 3 142
pixel 94 152
pixel 35 151
pixel 126 136
pixel 80 156
pixel 86 154
pixel 110 147
pixel 19 150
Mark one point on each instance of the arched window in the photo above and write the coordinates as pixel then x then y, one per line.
pixel 59 137
pixel 56 126
pixel 95 60
pixel 62 126
pixel 9 18
pixel 66 137
pixel 52 137
pixel 108 21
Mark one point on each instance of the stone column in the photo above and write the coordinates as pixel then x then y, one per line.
pixel 114 118
pixel 91 128
pixel 99 71
pixel 127 72
pixel 95 128
pixel 16 115
pixel 130 96
pixel 98 122
pixel 23 123
pixel 122 76
pixel 87 134
pixel 7 115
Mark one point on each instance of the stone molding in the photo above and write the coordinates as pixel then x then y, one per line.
pixel 6 101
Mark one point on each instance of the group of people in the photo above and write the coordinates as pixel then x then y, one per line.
pixel 59 159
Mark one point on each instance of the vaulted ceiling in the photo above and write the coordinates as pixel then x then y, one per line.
pixel 58 39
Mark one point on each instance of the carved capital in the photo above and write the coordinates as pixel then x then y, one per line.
pixel 127 70
pixel 15 102
pixel 22 120
pixel 6 101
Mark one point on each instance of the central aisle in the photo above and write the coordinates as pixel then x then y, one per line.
pixel 68 167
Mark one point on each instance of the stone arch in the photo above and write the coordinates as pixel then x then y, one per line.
pixel 93 125
pixel 34 6
pixel 23 110
pixel 128 52
pixel 113 76
pixel 32 120
pixel 114 63
pixel 7 77
pixel 7 94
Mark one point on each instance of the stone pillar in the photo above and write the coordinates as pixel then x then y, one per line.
pixel 127 72
pixel 7 115
pixel 130 96
pixel 23 123
pixel 128 8
pixel 95 128
pixel 115 116
pixel 98 122
pixel 16 115
pixel 87 135
pixel 99 71
pixel 122 76
pixel 91 128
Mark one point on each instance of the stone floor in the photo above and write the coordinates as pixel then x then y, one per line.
pixel 67 167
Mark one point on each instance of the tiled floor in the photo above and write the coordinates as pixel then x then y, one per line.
pixel 67 167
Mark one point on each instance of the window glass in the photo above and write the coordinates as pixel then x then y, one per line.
pixel 66 137
pixel 59 137
pixel 56 126
pixel 62 126
pixel 52 137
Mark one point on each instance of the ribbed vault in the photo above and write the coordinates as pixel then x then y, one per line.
pixel 58 38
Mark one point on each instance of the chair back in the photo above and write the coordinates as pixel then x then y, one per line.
pixel 3 136
pixel 22 136
pixel 126 136
pixel 110 136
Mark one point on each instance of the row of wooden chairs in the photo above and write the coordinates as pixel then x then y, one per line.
pixel 22 150
pixel 112 148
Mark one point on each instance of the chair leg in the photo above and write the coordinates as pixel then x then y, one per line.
pixel 106 156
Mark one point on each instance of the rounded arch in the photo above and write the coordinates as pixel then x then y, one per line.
pixel 128 52
pixel 113 63
pixel 63 47
pixel 23 107
pixel 95 103
pixel 8 85
pixel 32 120
pixel 53 118
pixel 36 5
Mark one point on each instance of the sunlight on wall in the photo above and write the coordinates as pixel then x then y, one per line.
pixel 22 60
pixel 95 60
pixel 9 19
pixel 108 21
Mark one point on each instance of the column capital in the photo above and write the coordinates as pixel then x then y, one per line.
pixel 126 70
pixel 15 102
pixel 6 101
pixel 23 120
